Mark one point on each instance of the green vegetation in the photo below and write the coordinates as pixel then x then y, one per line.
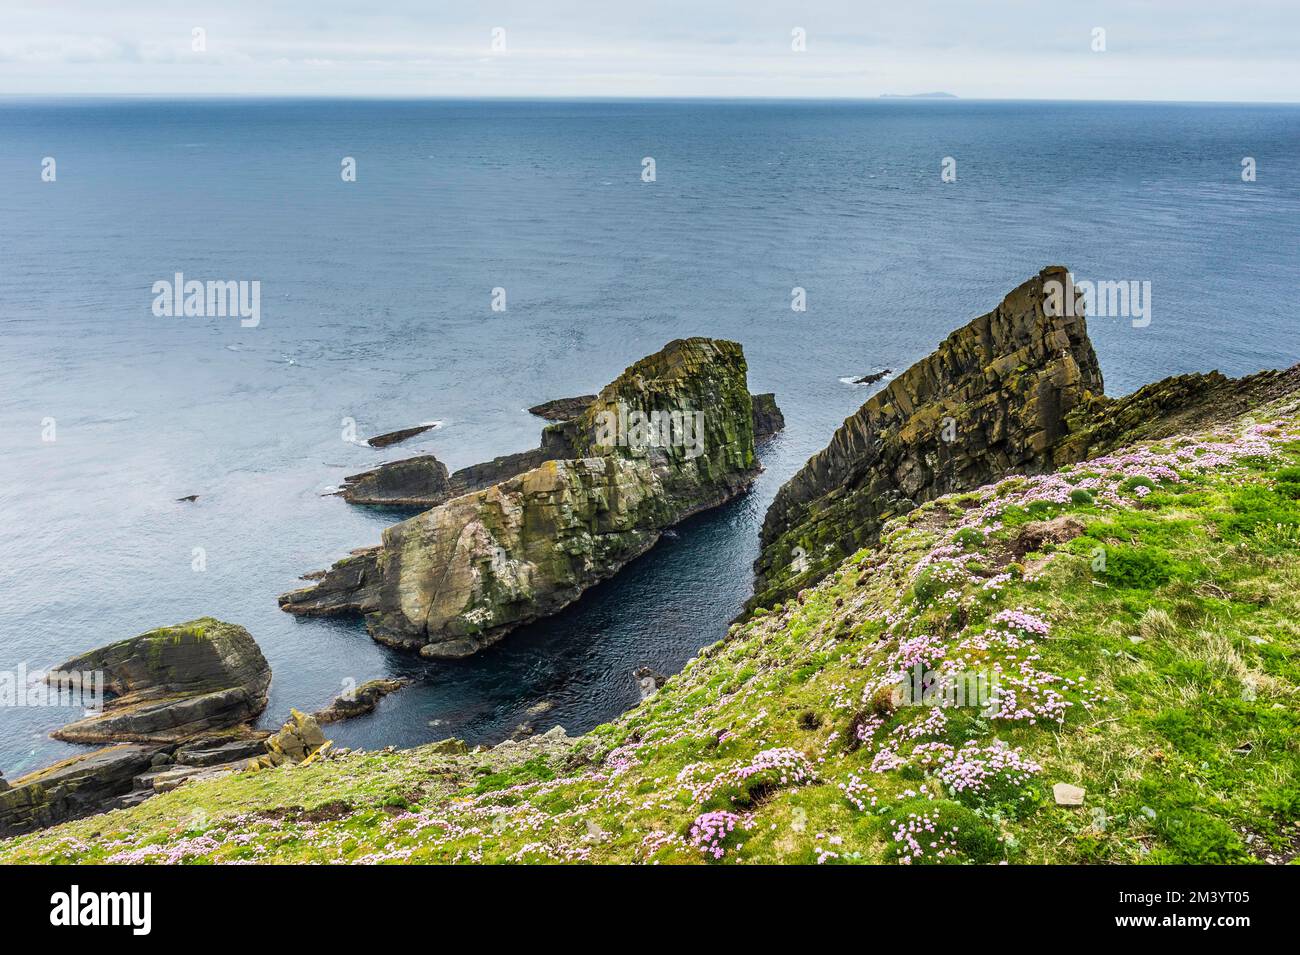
pixel 1146 634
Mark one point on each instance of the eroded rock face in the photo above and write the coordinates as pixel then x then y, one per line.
pixel 992 400
pixel 300 739
pixel 74 787
pixel 173 683
pixel 463 574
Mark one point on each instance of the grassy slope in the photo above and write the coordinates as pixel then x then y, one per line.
pixel 1167 684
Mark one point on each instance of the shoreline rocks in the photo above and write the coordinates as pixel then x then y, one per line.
pixel 562 409
pixel 424 481
pixel 79 786
pixel 183 697
pixel 299 740
pixel 874 377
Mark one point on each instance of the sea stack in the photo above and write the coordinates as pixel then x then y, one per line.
pixel 671 436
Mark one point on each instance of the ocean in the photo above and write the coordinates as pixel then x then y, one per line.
pixel 376 307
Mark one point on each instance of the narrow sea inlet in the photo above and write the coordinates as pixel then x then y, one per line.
pixel 376 307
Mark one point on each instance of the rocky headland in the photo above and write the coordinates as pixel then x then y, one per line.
pixel 1014 391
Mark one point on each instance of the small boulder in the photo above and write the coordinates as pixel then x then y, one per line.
pixel 449 747
pixel 298 740
pixel 1068 795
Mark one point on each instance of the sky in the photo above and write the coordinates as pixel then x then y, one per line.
pixel 1013 49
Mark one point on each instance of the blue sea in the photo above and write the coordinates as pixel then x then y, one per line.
pixel 376 307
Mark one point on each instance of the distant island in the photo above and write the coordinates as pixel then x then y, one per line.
pixel 918 96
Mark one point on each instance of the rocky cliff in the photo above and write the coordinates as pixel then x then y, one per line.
pixel 672 435
pixel 993 399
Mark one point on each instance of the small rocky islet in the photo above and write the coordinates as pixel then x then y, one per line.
pixel 957 518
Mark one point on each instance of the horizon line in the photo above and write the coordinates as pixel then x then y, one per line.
pixel 948 99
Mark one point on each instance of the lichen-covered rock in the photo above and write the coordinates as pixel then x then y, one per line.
pixel 673 435
pixel 992 400
pixel 172 683
pixel 298 740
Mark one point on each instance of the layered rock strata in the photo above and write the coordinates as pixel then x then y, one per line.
pixel 172 683
pixel 992 400
pixel 673 435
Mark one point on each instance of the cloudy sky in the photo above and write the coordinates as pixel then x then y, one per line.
pixel 1154 49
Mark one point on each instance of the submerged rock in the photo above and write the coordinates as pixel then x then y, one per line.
pixel 992 400
pixel 172 683
pixel 360 701
pixel 673 435
pixel 874 377
pixel 397 437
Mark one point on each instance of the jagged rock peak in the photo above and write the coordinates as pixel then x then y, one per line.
pixel 992 399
